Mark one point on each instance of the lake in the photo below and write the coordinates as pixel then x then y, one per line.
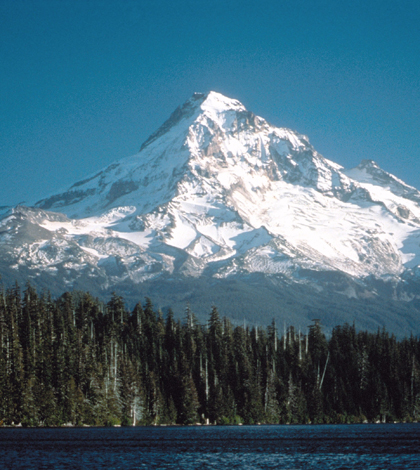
pixel 368 446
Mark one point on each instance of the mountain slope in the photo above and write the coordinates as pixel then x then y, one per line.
pixel 218 193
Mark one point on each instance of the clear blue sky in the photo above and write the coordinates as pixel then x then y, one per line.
pixel 85 82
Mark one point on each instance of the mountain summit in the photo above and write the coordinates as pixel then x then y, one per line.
pixel 219 197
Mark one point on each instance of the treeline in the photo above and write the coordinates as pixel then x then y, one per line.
pixel 75 360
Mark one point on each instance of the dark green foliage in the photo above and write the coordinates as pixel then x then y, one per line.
pixel 75 360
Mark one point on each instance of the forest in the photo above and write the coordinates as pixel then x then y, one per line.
pixel 78 361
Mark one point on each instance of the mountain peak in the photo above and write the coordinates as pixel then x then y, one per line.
pixel 214 101
pixel 211 102
pixel 220 193
pixel 367 163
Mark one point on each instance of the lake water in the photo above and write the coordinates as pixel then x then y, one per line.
pixel 380 446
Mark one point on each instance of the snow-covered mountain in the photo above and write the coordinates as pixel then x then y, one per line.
pixel 218 195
